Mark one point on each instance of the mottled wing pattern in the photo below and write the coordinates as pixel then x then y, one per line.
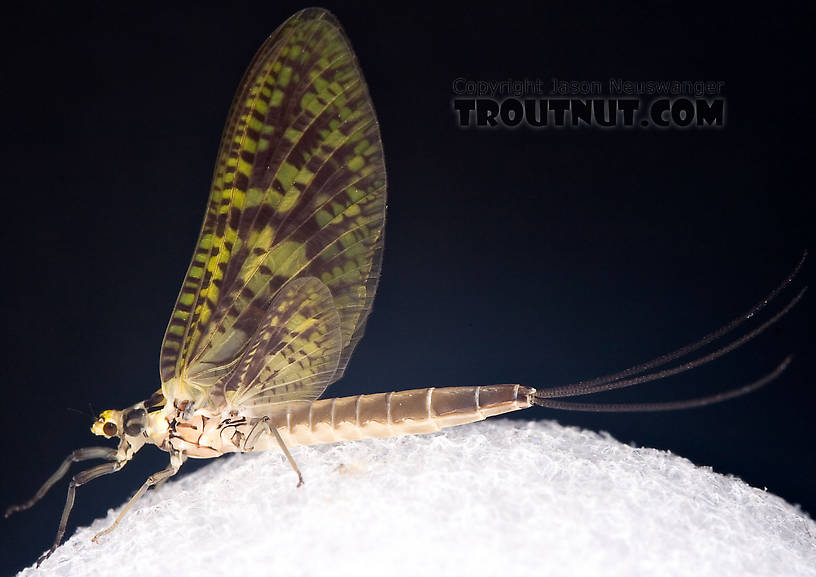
pixel 298 192
pixel 296 350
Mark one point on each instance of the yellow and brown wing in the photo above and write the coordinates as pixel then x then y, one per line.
pixel 298 193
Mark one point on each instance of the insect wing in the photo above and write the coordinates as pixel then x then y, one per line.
pixel 293 355
pixel 298 192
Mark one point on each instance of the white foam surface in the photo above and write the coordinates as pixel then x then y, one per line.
pixel 493 498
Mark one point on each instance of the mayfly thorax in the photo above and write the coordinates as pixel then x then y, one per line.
pixel 282 280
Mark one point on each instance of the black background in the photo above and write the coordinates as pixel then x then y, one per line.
pixel 540 257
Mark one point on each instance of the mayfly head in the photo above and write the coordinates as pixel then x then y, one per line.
pixel 108 424
pixel 130 422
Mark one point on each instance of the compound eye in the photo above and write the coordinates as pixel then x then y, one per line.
pixel 109 429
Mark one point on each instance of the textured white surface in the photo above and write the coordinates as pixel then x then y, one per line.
pixel 494 498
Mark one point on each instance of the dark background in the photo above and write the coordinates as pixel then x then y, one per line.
pixel 539 257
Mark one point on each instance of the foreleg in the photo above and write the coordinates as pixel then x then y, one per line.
pixel 86 454
pixel 80 478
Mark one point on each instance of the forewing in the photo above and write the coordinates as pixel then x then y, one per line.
pixel 298 191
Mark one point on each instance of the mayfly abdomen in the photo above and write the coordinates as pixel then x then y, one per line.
pixel 396 413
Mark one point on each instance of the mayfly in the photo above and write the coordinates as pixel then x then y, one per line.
pixel 282 281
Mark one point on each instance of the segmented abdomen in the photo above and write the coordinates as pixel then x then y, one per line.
pixel 397 413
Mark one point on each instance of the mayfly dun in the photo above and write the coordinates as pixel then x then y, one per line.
pixel 282 281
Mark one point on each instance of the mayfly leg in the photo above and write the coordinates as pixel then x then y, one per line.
pixel 80 478
pixel 86 454
pixel 256 431
pixel 176 460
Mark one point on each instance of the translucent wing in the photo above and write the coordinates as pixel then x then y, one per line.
pixel 298 192
pixel 297 349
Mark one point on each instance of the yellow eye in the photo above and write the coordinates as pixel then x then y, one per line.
pixel 109 429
